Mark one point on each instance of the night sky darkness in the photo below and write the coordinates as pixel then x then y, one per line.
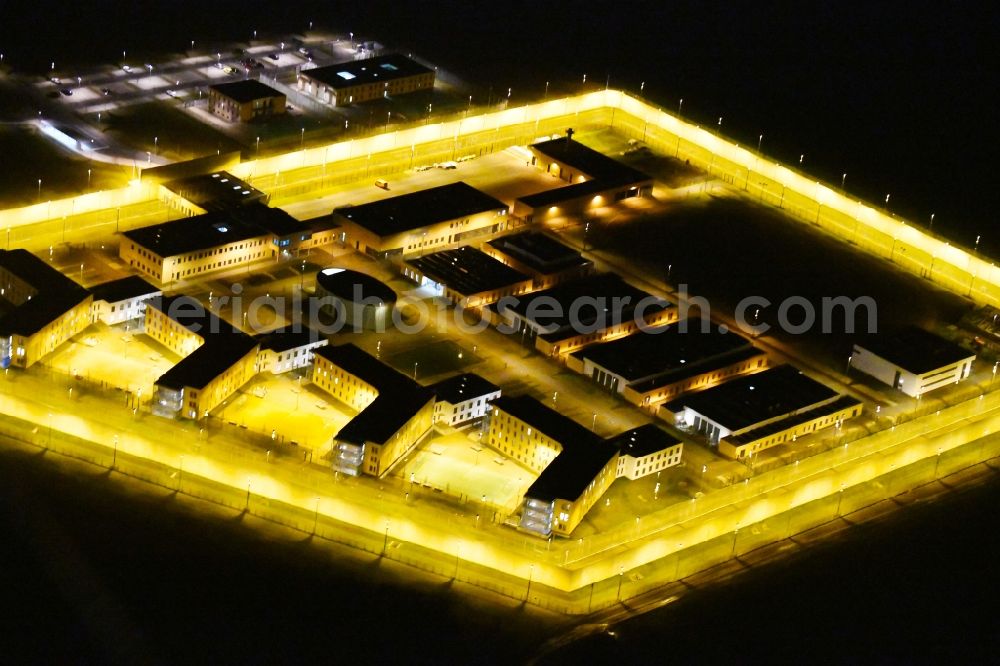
pixel 901 96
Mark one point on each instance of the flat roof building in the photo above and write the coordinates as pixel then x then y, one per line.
pixel 122 300
pixel 753 412
pixel 572 314
pixel 40 308
pixel 358 300
pixel 466 276
pixel 218 359
pixel 596 180
pixel 547 260
pixel 912 360
pixel 394 412
pixel 220 240
pixel 463 398
pixel 218 190
pixel 576 465
pixel 421 221
pixel 650 366
pixel 284 350
pixel 358 81
pixel 245 101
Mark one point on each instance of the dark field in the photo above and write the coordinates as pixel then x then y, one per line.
pixel 92 573
pixel 726 250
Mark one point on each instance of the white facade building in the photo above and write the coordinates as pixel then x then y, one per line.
pixel 913 361
pixel 463 398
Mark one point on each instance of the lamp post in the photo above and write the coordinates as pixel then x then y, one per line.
pixel 39 189
pixel 843 181
pixel 531 575
pixel 302 139
pixel 114 455
pixel 415 364
pixel 932 222
pixel 760 140
pixel 621 577
pixel 88 178
pixel 315 515
pixel 258 147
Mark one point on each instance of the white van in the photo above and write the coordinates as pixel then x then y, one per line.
pixel 382 184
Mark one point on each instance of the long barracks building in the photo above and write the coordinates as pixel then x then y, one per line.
pixel 394 412
pixel 576 466
pixel 40 308
pixel 422 221
pixel 357 81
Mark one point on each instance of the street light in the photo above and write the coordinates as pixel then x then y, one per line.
pixel 39 189
pixel 258 147
pixel 760 140
pixel 302 139
pixel 88 179
pixel 843 180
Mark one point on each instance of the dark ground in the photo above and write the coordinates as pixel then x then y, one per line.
pixel 93 573
pixel 726 250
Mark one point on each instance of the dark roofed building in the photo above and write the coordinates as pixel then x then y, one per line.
pixel 575 313
pixel 394 411
pixel 421 221
pixel 596 180
pixel 463 398
pixel 576 466
pixel 538 253
pixel 122 300
pixel 123 289
pixel 288 348
pixel 358 81
pixel 207 362
pixel 749 402
pixel 361 300
pixel 219 190
pixel 218 240
pixel 245 101
pixel 466 275
pixel 40 308
pixel 587 161
pixel 584 453
pixel 912 360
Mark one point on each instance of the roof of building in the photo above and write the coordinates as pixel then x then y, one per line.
pixel 589 161
pixel 55 294
pixel 916 350
pixel 192 315
pixel 588 188
pixel 643 441
pixel 658 350
pixel 553 309
pixel 214 229
pixel 197 369
pixel 702 367
pixel 421 209
pixel 218 190
pixel 354 286
pixel 467 270
pixel 399 397
pixel 123 289
pixel 246 91
pixel 463 387
pixel 366 71
pixel 583 455
pixel 539 252
pixel 751 399
pixel 284 339
pixel 752 435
